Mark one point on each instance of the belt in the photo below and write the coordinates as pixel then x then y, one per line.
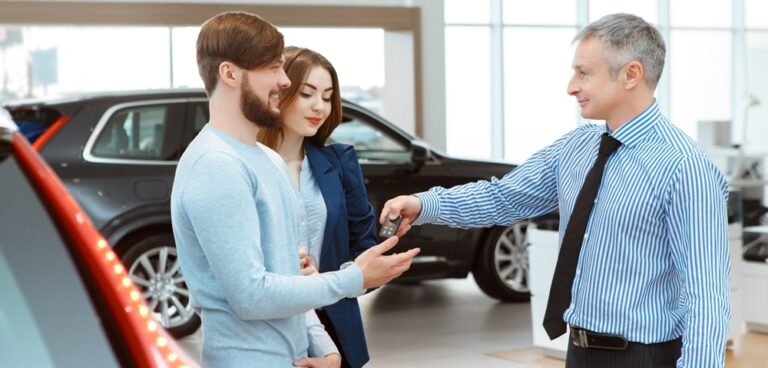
pixel 595 340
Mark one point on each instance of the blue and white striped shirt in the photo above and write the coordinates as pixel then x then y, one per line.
pixel 654 264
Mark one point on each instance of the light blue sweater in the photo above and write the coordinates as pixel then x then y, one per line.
pixel 234 215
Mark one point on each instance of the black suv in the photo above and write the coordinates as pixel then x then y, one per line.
pixel 117 154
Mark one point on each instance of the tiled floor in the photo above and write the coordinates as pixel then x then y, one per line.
pixel 451 323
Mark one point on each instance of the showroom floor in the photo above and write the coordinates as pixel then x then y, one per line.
pixel 451 323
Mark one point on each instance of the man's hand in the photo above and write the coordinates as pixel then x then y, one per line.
pixel 332 360
pixel 379 269
pixel 305 263
pixel 407 206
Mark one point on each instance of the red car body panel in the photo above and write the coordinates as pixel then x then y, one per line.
pixel 148 344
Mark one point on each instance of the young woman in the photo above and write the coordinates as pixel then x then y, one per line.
pixel 340 223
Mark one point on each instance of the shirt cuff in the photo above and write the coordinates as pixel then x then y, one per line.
pixel 352 265
pixel 430 208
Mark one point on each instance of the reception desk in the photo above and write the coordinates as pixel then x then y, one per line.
pixel 542 253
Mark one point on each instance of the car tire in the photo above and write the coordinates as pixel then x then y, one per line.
pixel 500 267
pixel 154 268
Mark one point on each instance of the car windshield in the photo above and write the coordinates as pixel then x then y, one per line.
pixel 47 318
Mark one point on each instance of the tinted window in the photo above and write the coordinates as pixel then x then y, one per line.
pixel 139 133
pixel 47 318
pixel 370 141
pixel 197 117
pixel 200 116
pixel 33 122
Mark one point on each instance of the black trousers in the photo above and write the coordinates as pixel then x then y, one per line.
pixel 332 332
pixel 636 355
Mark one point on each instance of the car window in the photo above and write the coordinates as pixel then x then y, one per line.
pixel 200 117
pixel 370 141
pixel 33 122
pixel 197 117
pixel 47 318
pixel 137 132
pixel 21 325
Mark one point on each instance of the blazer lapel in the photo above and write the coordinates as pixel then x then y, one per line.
pixel 327 177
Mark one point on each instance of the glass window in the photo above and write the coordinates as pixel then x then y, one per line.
pixel 468 91
pixel 66 60
pixel 545 12
pixel 22 327
pixel 537 109
pixel 696 13
pixel 360 68
pixel 467 11
pixel 135 133
pixel 185 72
pixel 756 109
pixel 700 77
pixel 755 13
pixel 645 9
pixel 370 141
pixel 200 117
pixel 33 122
pixel 48 317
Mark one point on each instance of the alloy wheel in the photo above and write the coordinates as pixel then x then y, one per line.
pixel 157 273
pixel 511 257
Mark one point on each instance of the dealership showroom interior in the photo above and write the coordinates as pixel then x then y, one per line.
pixel 384 183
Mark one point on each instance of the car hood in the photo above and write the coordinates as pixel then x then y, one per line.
pixel 476 167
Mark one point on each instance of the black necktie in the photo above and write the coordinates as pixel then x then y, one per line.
pixel 560 292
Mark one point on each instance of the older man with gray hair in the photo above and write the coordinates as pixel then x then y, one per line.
pixel 642 274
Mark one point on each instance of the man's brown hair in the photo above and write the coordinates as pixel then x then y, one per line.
pixel 241 38
pixel 298 63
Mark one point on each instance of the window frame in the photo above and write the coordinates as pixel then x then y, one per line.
pixel 88 154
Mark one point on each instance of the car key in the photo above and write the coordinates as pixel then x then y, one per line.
pixel 389 228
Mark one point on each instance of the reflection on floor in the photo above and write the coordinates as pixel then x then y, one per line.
pixel 442 323
pixel 451 323
pixel 445 323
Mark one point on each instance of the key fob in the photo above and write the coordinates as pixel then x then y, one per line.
pixel 389 227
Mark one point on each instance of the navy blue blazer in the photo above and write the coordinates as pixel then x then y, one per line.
pixel 349 230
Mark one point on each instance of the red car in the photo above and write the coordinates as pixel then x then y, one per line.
pixel 66 300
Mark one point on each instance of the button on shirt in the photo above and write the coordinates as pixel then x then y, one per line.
pixel 654 264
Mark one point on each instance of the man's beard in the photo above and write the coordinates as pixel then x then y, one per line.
pixel 255 109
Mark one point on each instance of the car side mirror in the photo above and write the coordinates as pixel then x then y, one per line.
pixel 419 155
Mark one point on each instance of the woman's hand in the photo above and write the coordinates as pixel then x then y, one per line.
pixel 305 263
pixel 332 360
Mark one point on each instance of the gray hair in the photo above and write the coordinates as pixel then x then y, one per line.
pixel 627 37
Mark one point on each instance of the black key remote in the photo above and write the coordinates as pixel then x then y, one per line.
pixel 389 228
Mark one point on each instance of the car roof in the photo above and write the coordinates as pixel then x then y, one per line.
pixel 188 92
pixel 130 94
pixel 169 93
pixel 6 122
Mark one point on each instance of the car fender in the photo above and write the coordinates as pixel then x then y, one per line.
pixel 137 223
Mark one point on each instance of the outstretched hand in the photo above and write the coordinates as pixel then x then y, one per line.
pixel 407 206
pixel 379 269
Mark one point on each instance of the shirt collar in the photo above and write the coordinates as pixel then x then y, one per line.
pixel 636 129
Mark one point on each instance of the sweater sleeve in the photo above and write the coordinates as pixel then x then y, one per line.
pixel 218 200
pixel 320 343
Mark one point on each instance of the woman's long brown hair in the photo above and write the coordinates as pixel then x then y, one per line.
pixel 298 63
